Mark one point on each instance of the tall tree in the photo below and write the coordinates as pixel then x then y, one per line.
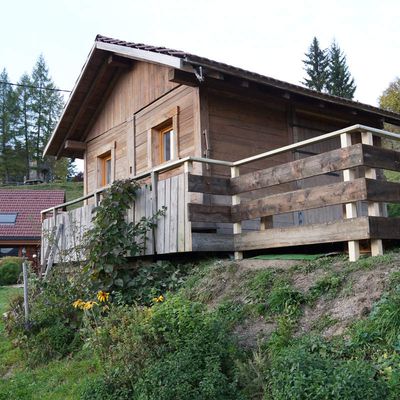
pixel 25 120
pixel 8 115
pixel 47 104
pixel 340 82
pixel 316 67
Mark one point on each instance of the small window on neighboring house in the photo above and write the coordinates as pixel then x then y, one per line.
pixel 166 144
pixel 8 218
pixel 105 169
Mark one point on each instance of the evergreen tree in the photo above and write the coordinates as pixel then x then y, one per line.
pixel 47 104
pixel 316 67
pixel 25 121
pixel 340 82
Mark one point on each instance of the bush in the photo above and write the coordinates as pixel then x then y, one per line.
pixel 53 327
pixel 298 374
pixel 10 270
pixel 173 350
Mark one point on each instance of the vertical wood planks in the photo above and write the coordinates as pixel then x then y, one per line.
pixel 161 222
pixel 167 215
pixel 237 226
pixel 173 224
pixel 181 212
pixel 187 169
pixel 373 207
pixel 351 208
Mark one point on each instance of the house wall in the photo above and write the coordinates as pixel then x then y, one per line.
pixel 141 99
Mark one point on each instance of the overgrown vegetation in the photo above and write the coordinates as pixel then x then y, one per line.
pixel 207 330
pixel 10 270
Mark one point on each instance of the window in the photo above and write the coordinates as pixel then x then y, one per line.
pixel 166 144
pixel 8 251
pixel 105 169
pixel 8 218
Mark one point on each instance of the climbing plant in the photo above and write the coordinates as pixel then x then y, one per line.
pixel 113 238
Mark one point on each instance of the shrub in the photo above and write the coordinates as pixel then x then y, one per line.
pixel 283 295
pixel 173 350
pixel 298 374
pixel 10 270
pixel 53 327
pixel 152 280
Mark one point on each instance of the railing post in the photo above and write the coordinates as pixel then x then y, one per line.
pixel 237 226
pixel 373 207
pixel 351 208
pixel 187 169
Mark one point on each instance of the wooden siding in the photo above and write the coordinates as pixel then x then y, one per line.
pixel 135 89
pixel 180 102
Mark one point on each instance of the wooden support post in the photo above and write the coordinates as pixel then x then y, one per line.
pixel 25 277
pixel 54 216
pixel 187 169
pixel 351 208
pixel 237 227
pixel 96 199
pixel 373 207
pixel 154 205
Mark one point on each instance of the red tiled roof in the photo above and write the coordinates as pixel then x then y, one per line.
pixel 27 204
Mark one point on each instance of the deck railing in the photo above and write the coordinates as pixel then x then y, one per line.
pixel 174 233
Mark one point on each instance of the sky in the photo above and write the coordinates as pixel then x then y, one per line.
pixel 268 37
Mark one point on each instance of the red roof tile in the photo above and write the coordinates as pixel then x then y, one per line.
pixel 27 204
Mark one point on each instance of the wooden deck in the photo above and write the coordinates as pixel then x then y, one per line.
pixel 260 197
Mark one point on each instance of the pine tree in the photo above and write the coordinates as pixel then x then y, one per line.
pixel 316 67
pixel 8 140
pixel 46 108
pixel 340 82
pixel 25 120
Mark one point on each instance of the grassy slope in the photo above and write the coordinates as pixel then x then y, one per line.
pixel 334 295
pixel 57 380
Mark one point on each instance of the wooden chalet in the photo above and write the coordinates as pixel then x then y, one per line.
pixel 241 161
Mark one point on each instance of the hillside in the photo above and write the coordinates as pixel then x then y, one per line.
pixel 323 329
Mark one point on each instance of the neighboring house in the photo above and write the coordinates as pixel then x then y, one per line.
pixel 137 108
pixel 20 219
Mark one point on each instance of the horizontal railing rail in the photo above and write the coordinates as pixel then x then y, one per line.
pixel 235 164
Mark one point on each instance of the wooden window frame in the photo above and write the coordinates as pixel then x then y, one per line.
pixel 103 175
pixel 167 121
pixel 106 152
pixel 162 133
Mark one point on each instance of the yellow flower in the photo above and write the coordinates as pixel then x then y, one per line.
pixel 78 304
pixel 158 299
pixel 385 356
pixel 103 296
pixel 89 305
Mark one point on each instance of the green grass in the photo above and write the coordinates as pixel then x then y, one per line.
pixel 63 379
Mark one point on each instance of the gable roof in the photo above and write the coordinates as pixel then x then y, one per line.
pixel 105 46
pixel 27 204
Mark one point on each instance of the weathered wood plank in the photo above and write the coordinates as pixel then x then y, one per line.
pixel 187 168
pixel 161 220
pixel 212 242
pixel 299 200
pixel 181 213
pixel 384 228
pixel 378 190
pixel 167 215
pixel 209 184
pixel 338 231
pixel 173 226
pixel 207 213
pixel 149 213
pixel 378 157
pixel 335 160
